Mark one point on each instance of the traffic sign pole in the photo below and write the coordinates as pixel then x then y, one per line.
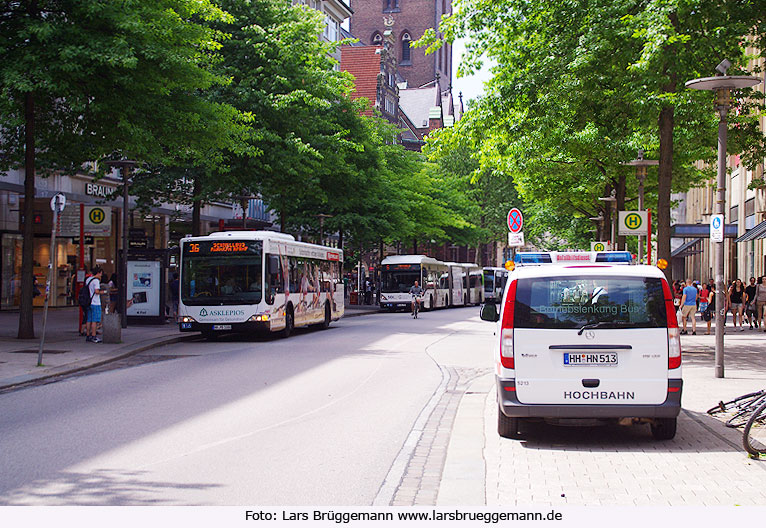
pixel 649 239
pixel 57 204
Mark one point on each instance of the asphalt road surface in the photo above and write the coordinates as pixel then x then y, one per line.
pixel 316 419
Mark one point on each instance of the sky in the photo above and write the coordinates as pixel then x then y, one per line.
pixel 472 86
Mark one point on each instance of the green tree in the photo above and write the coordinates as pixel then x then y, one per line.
pixel 83 78
pixel 579 87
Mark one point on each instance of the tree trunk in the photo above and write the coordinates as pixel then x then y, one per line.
pixel 26 314
pixel 197 207
pixel 665 181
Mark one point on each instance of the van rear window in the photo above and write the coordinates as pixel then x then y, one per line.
pixel 573 302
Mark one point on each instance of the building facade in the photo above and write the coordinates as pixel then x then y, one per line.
pixel 408 20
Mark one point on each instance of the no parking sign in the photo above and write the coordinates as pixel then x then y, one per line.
pixel 515 220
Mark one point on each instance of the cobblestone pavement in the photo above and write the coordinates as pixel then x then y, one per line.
pixel 611 465
pixel 423 473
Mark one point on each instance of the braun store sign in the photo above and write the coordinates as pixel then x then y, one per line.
pixel 96 189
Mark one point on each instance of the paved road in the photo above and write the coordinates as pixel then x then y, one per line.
pixel 324 417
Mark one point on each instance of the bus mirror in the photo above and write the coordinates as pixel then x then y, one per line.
pixel 273 265
pixel 489 313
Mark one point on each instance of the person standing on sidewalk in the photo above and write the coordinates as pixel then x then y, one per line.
pixel 707 305
pixel 175 294
pixel 93 312
pixel 736 296
pixel 750 309
pixel 760 301
pixel 689 306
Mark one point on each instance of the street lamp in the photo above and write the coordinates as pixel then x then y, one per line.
pixel 722 85
pixel 321 217
pixel 612 199
pixel 641 165
pixel 125 167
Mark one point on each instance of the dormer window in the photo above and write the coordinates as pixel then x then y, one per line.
pixel 406 58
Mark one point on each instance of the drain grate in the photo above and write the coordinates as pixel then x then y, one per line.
pixel 37 350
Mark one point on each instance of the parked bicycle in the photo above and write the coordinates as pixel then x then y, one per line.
pixel 748 410
pixel 740 408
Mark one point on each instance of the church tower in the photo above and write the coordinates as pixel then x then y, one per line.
pixel 408 19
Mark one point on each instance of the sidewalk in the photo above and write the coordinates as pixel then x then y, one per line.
pixel 66 351
pixel 551 466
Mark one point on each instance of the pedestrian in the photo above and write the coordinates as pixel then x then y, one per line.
pixel 175 294
pixel 760 301
pixel 93 312
pixel 736 298
pixel 689 306
pixel 114 293
pixel 367 291
pixel 705 305
pixel 750 305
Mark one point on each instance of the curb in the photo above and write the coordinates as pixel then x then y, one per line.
pixel 119 353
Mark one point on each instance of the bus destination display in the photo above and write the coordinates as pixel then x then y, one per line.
pixel 221 248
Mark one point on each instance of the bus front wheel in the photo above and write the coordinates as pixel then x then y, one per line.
pixel 289 322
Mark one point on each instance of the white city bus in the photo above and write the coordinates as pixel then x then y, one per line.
pixel 472 284
pixel 251 281
pixel 458 295
pixel 399 273
pixel 494 283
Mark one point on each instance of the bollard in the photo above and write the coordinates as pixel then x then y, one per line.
pixel 112 326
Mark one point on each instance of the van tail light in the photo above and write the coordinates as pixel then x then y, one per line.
pixel 506 328
pixel 674 333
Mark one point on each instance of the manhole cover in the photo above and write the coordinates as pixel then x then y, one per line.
pixel 37 350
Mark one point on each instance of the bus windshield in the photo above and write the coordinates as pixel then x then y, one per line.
pixel 399 278
pixel 223 278
pixel 489 281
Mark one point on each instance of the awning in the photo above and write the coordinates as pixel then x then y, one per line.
pixel 700 231
pixel 688 249
pixel 758 231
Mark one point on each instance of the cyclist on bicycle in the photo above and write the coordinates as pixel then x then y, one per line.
pixel 416 291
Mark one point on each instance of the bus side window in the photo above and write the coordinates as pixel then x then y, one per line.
pixel 273 278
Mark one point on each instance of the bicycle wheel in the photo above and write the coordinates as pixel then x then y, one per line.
pixel 754 438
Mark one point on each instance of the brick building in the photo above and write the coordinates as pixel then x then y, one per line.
pixel 409 19
pixel 375 78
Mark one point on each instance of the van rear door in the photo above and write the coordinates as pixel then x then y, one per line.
pixel 590 340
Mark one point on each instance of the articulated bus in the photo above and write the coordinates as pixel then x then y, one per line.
pixel 473 284
pixel 458 282
pixel 399 273
pixel 494 284
pixel 250 281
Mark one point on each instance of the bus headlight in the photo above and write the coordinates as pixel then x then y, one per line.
pixel 187 319
pixel 258 318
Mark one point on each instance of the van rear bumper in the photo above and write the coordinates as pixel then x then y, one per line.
pixel 511 407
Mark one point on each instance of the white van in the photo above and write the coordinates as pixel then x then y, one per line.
pixel 581 336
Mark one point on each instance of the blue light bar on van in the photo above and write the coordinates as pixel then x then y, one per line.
pixel 533 258
pixel 615 257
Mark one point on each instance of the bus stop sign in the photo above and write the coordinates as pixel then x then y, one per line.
pixel 515 220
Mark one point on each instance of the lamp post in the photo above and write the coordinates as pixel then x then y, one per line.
pixel 641 165
pixel 321 217
pixel 612 199
pixel 125 167
pixel 722 85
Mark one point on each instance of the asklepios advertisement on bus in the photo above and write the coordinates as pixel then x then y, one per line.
pixel 144 288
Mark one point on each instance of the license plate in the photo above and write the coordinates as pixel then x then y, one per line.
pixel 186 326
pixel 221 327
pixel 585 359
